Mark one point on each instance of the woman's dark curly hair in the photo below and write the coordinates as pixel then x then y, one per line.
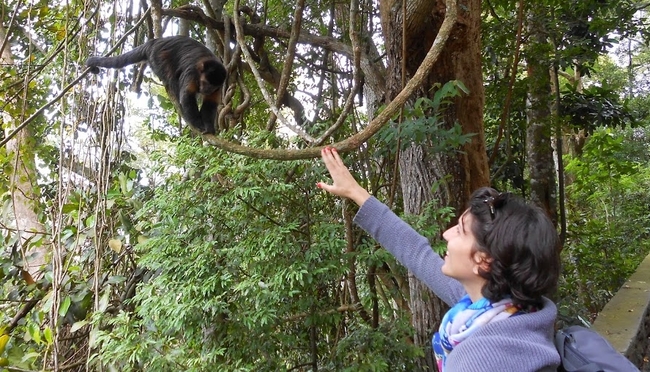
pixel 522 246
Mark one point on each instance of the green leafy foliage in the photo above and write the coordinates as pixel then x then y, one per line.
pixel 432 223
pixel 380 349
pixel 608 222
pixel 595 107
pixel 245 266
pixel 182 257
pixel 421 122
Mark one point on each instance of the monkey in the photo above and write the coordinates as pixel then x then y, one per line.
pixel 186 68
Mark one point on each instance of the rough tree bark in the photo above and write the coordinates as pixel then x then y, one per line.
pixel 419 167
pixel 539 150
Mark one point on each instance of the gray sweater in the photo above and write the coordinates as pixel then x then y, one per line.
pixel 522 343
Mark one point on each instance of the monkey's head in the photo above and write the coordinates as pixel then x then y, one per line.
pixel 212 75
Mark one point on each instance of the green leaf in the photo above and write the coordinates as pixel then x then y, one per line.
pixel 103 301
pixel 47 333
pixel 34 333
pixel 77 325
pixel 115 279
pixel 67 208
pixel 63 309
pixel 30 356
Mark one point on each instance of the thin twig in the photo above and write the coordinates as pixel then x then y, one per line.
pixel 515 63
pixel 69 86
pixel 354 141
pixel 288 62
pixel 8 31
pixel 356 52
pixel 239 34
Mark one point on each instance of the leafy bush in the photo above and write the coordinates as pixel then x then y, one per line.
pixel 246 264
pixel 608 233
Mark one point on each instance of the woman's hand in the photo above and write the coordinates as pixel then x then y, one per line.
pixel 344 183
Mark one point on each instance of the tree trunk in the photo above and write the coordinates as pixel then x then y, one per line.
pixel 419 168
pixel 538 137
pixel 24 191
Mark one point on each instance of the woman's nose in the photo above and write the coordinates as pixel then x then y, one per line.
pixel 449 233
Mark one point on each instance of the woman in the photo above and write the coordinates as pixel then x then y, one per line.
pixel 502 259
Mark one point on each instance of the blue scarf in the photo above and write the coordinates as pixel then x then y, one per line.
pixel 465 318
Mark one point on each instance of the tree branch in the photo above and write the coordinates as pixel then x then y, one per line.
pixel 288 62
pixel 69 86
pixel 515 63
pixel 369 67
pixel 5 39
pixel 353 142
pixel 239 34
pixel 356 48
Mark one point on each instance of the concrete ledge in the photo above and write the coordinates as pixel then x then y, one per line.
pixel 625 320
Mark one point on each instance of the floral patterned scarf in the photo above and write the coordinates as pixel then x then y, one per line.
pixel 465 318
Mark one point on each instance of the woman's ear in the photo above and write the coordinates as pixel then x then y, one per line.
pixel 482 263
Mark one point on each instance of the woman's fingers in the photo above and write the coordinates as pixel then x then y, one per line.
pixel 337 170
pixel 343 182
pixel 332 160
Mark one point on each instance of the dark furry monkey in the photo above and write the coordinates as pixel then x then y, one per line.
pixel 187 69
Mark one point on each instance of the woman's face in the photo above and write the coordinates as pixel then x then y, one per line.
pixel 460 263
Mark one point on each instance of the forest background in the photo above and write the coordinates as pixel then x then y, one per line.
pixel 131 243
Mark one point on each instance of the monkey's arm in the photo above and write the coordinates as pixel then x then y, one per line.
pixel 190 110
pixel 209 111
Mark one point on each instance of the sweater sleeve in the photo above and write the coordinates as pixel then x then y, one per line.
pixel 409 247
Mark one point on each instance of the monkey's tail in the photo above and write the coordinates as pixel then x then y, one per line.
pixel 136 55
